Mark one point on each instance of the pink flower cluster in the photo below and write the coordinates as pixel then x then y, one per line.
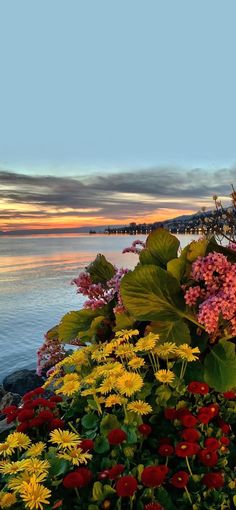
pixel 101 294
pixel 50 353
pixel 216 292
pixel 134 247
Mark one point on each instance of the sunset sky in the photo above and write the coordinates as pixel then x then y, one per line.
pixel 113 112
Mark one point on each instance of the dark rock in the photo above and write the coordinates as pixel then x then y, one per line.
pixel 9 399
pixel 22 381
pixel 2 392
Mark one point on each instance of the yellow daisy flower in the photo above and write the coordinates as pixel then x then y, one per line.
pixel 139 407
pixel 7 499
pixel 34 495
pixel 147 343
pixel 136 362
pixel 37 466
pixel 165 376
pixel 76 456
pixel 113 400
pixel 22 440
pixel 166 350
pixel 35 450
pixel 184 351
pixel 69 388
pixel 89 391
pixel 10 468
pixel 16 483
pixel 125 351
pixel 126 334
pixel 8 448
pixel 64 438
pixel 107 385
pixel 70 377
pixel 129 383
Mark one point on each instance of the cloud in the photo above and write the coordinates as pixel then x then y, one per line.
pixel 134 194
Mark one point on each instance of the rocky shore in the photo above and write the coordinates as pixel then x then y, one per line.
pixel 13 387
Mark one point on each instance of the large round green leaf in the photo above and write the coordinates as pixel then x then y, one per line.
pixel 220 366
pixel 100 269
pixel 162 245
pixel 151 293
pixel 75 322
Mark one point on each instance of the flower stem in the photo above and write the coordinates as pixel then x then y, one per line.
pixel 77 494
pixel 72 427
pixel 189 497
pixel 189 468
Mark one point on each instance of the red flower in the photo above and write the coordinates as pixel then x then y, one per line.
pixel 9 410
pixel 182 412
pixel 145 429
pixel 153 506
pixel 25 415
pixel 225 440
pixel 126 486
pixel 115 471
pixel 22 427
pixel 186 449
pixel 73 480
pixel 213 480
pixel 28 396
pixel 170 413
pixel 231 395
pixel 154 476
pixel 46 415
pixel 38 391
pixel 212 444
pixel 208 458
pixel 56 423
pixel 12 417
pixel 224 426
pixel 103 474
pixel 188 420
pixel 166 450
pixel 86 445
pixel 180 479
pixel 43 402
pixel 86 474
pixel 36 422
pixel 198 388
pixel 191 435
pixel 204 416
pixel 116 436
pixel 56 398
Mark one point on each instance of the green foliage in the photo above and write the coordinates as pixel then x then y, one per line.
pixel 101 445
pixel 89 421
pixel 101 270
pixel 76 323
pixel 123 321
pixel 150 294
pixel 109 422
pixel 177 332
pixel 162 245
pixel 197 249
pixel 220 366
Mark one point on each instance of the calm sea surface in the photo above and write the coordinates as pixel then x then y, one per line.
pixel 35 289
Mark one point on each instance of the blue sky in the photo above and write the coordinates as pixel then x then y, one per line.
pixel 100 87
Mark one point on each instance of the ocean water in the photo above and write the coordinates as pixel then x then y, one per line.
pixel 36 290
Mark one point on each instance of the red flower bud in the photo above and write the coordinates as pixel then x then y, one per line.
pixel 213 480
pixel 145 429
pixel 180 479
pixel 126 486
pixel 154 476
pixel 116 436
pixel 198 388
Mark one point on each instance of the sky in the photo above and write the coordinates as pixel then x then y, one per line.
pixel 114 111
